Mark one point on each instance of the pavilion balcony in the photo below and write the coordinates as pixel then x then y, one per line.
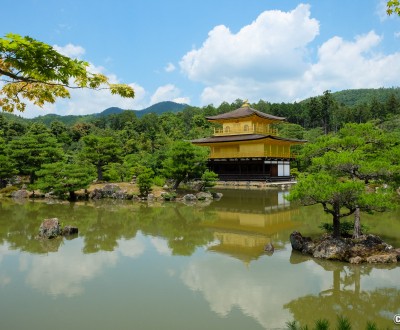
pixel 265 154
pixel 248 130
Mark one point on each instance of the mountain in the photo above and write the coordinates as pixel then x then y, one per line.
pixel 70 120
pixel 353 97
pixel 110 111
pixel 161 107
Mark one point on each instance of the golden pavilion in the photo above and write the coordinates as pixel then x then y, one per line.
pixel 247 147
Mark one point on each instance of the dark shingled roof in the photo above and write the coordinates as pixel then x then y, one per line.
pixel 244 137
pixel 244 112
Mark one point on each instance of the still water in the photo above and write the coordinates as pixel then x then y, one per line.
pixel 176 266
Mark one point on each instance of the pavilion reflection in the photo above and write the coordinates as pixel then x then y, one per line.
pixel 246 221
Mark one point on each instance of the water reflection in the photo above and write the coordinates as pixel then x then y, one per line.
pixel 347 295
pixel 132 247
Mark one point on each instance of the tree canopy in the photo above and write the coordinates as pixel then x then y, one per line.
pixel 35 71
pixel 393 6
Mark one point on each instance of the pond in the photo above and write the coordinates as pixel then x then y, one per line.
pixel 175 266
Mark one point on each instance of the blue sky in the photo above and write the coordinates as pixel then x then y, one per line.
pixel 210 51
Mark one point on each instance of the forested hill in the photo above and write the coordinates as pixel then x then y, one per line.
pixel 70 120
pixel 353 97
pixel 330 111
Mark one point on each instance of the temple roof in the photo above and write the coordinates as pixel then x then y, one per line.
pixel 243 112
pixel 243 137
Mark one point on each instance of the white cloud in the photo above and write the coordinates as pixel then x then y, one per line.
pixel 344 65
pixel 70 265
pixel 270 59
pixel 132 248
pixel 170 67
pixel 161 245
pixel 397 34
pixel 168 92
pixel 70 50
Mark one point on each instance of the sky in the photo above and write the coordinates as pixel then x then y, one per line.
pixel 211 51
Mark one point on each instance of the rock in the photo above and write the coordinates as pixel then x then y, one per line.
pixel 300 243
pixel 397 252
pixel 189 197
pixel 20 194
pixel 150 197
pixel 217 195
pixel 269 249
pixel 356 260
pixel 331 249
pixel 382 259
pixel 202 196
pixel 96 194
pixel 69 230
pixel 50 228
pixel 367 248
pixel 110 190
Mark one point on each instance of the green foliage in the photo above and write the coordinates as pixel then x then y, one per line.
pixel 38 73
pixel 343 323
pixel 8 190
pixel 184 162
pixel 341 168
pixel 100 151
pixel 145 182
pixel 62 178
pixel 393 6
pixel 169 196
pixel 322 325
pixel 209 179
pixel 32 150
pixel 159 181
pixel 346 227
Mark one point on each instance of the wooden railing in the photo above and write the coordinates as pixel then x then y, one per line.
pixel 251 130
pixel 252 154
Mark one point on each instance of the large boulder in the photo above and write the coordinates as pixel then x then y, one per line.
pixel 203 196
pixel 301 243
pixel 50 228
pixel 110 190
pixel 367 248
pixel 22 193
pixel 332 249
pixel 189 197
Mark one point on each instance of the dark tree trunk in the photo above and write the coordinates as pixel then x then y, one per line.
pixel 99 172
pixel 177 183
pixel 357 223
pixel 336 221
pixel 72 196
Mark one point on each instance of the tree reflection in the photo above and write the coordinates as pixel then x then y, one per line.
pixel 346 297
pixel 102 224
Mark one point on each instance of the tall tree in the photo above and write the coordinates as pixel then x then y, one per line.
pixel 358 155
pixel 36 72
pixel 7 165
pixel 33 149
pixel 184 161
pixel 100 151
pixel 63 178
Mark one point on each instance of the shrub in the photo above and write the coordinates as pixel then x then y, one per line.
pixel 145 181
pixel 8 190
pixel 159 181
pixel 346 227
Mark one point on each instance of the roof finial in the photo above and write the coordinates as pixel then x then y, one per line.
pixel 246 104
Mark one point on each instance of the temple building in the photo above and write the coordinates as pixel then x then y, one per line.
pixel 247 147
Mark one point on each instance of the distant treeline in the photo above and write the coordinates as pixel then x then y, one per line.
pixel 120 145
